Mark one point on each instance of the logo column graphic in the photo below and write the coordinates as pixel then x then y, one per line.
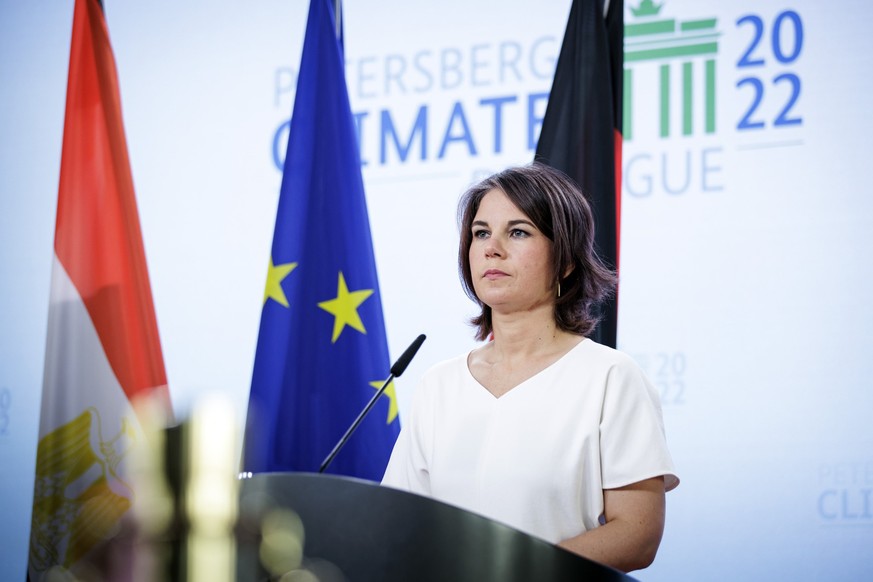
pixel 666 40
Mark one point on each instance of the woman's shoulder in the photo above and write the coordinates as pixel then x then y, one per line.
pixel 448 365
pixel 592 354
pixel 443 379
pixel 622 376
pixel 445 370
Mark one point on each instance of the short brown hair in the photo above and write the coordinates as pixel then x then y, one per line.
pixel 559 209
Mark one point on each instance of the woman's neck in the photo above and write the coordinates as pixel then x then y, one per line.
pixel 525 334
pixel 524 345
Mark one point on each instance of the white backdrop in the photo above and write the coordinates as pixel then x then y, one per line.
pixel 746 265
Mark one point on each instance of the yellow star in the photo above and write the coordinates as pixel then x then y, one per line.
pixel 345 308
pixel 392 397
pixel 275 274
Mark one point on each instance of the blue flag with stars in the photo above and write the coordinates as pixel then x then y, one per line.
pixel 322 351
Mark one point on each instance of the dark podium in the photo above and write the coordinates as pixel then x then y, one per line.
pixel 374 533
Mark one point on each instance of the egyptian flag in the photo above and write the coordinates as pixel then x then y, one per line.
pixel 581 131
pixel 102 347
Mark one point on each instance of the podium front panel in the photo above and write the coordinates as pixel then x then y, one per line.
pixel 360 531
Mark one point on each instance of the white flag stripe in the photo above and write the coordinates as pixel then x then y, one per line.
pixel 75 359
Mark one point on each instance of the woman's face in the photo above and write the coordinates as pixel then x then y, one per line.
pixel 510 259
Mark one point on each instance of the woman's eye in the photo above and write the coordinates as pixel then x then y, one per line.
pixel 480 233
pixel 518 233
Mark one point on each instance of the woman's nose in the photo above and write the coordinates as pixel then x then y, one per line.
pixel 493 249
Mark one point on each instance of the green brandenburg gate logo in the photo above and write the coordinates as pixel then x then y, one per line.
pixel 670 42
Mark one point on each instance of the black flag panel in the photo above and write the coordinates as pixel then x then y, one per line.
pixel 581 132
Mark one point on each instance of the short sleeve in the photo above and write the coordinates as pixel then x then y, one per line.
pixel 408 466
pixel 633 444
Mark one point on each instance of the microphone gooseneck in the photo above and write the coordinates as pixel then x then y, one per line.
pixel 396 370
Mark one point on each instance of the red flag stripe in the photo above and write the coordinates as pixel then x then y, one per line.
pixel 98 238
pixel 619 141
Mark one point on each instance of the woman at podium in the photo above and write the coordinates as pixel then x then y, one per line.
pixel 540 428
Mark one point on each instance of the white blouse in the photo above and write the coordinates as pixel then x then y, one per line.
pixel 539 457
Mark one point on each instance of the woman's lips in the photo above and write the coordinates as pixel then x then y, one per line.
pixel 492 274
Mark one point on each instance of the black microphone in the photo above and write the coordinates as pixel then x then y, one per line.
pixel 396 370
pixel 400 365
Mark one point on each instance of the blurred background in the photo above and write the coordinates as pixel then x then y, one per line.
pixel 747 228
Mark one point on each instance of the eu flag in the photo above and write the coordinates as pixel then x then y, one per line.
pixel 322 351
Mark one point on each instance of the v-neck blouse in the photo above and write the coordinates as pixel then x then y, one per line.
pixel 538 457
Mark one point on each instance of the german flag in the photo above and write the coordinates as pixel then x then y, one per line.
pixel 581 131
